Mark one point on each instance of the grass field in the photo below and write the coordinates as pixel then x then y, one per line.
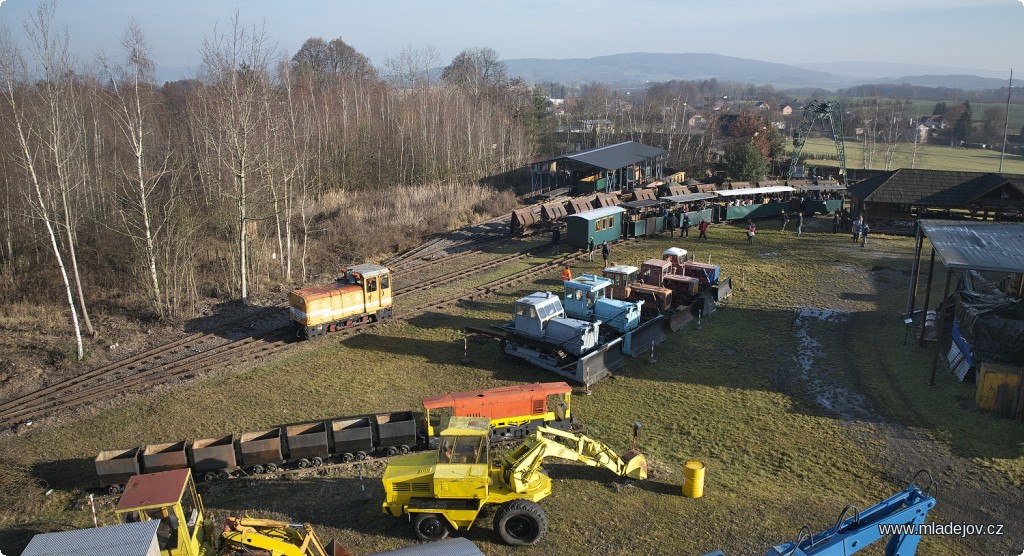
pixel 929 157
pixel 795 413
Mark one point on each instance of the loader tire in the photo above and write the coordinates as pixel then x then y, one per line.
pixel 430 527
pixel 520 522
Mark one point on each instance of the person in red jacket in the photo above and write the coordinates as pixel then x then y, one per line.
pixel 751 230
pixel 703 228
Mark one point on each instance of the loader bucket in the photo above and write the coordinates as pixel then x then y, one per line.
pixel 636 465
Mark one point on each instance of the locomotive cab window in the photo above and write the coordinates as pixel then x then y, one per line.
pixel 371 285
pixel 385 282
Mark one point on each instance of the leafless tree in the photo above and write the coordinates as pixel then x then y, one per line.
pixel 29 131
pixel 410 69
pixel 147 191
pixel 231 117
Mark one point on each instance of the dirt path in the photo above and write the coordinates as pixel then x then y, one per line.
pixel 965 491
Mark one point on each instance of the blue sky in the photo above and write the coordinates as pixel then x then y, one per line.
pixel 981 34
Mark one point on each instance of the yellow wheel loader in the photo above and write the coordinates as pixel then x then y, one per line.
pixel 446 490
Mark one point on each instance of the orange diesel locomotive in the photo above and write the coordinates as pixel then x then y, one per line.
pixel 361 294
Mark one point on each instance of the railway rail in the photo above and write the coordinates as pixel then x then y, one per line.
pixel 197 354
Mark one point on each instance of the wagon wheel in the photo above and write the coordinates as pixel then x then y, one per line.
pixel 271 468
pixel 303 463
pixel 114 489
pixel 223 476
pixel 404 449
pixel 347 457
pixel 317 462
pixel 391 451
pixel 257 470
pixel 360 455
pixel 210 476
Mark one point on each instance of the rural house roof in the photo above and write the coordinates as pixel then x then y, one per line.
pixel 613 157
pixel 934 188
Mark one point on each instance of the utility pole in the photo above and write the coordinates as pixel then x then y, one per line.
pixel 1006 121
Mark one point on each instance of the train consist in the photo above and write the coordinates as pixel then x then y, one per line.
pixel 515 412
pixel 363 293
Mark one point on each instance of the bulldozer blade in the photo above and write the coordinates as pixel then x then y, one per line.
pixel 636 465
pixel 335 549
pixel 680 317
pixel 597 364
pixel 643 339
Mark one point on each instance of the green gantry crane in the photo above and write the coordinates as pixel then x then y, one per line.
pixel 824 110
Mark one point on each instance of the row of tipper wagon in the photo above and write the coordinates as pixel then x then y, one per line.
pixel 301 445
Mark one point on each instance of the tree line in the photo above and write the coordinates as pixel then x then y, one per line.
pixel 261 170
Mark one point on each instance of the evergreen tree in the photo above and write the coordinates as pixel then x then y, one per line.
pixel 962 127
pixel 744 161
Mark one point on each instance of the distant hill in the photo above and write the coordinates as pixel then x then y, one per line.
pixel 642 67
pixel 966 82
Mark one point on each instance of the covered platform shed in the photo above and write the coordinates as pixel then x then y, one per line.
pixel 963 247
pixel 603 224
pixel 601 169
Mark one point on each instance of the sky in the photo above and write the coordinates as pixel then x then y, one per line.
pixel 977 34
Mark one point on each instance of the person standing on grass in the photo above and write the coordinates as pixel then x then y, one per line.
pixel 702 228
pixel 799 223
pixel 670 221
pixel 686 226
pixel 590 249
pixel 856 230
pixel 556 238
pixel 835 223
pixel 864 234
pixel 751 230
pixel 606 252
pixel 783 220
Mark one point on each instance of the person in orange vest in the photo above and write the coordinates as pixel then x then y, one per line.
pixel 566 274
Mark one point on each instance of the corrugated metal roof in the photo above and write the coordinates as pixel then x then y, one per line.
pixel 613 157
pixel 599 213
pixel 130 539
pixel 689 197
pixel 977 245
pixel 755 190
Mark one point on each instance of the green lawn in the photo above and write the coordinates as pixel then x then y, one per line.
pixel 930 157
pixel 743 394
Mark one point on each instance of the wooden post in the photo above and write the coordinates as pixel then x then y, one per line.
pixel 928 294
pixel 915 274
pixel 941 326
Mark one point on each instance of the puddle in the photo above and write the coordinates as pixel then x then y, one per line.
pixel 812 366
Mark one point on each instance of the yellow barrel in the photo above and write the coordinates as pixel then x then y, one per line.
pixel 693 479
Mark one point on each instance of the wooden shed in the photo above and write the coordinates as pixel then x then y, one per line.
pixel 603 224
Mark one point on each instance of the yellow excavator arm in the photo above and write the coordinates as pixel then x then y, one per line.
pixel 278 538
pixel 521 467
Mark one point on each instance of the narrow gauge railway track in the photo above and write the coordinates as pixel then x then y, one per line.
pixel 190 348
pixel 115 379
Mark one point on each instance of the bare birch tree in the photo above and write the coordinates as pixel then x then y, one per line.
pixel 231 115
pixel 131 102
pixel 14 76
